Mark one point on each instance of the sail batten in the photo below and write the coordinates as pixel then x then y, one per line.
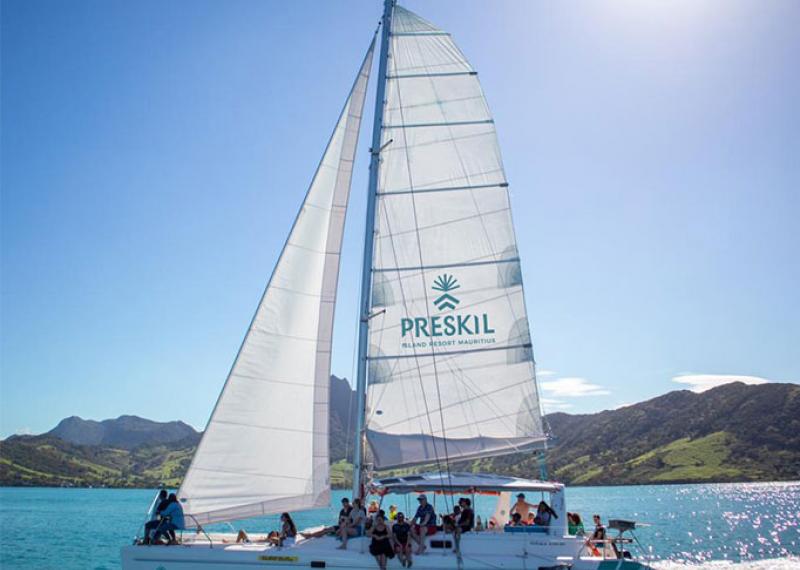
pixel 255 458
pixel 451 371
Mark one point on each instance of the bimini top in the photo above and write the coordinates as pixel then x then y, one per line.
pixel 477 483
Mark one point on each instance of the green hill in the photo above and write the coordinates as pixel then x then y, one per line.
pixel 731 433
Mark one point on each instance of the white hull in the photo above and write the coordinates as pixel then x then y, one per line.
pixel 478 551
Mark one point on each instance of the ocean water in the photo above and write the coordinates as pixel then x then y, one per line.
pixel 715 527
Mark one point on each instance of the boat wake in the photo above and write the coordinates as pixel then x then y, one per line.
pixel 789 563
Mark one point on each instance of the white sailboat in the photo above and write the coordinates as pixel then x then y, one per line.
pixel 445 367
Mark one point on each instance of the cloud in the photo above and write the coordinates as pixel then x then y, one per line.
pixel 551 404
pixel 573 388
pixel 703 382
pixel 24 431
pixel 544 372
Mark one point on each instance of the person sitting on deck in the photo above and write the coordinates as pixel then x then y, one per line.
pixel 402 545
pixel 516 520
pixel 544 514
pixel 381 544
pixel 449 524
pixel 575 524
pixel 597 541
pixel 521 506
pixel 155 519
pixel 172 519
pixel 466 521
pixel 392 513
pixel 531 519
pixel 346 508
pixel 288 533
pixel 373 509
pixel 454 516
pixel 354 524
pixel 424 523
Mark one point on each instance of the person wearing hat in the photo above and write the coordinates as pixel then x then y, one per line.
pixel 424 523
pixel 522 507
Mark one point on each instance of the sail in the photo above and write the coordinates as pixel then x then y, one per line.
pixel 451 371
pixel 265 449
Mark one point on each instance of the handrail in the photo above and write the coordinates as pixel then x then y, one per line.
pixel 201 529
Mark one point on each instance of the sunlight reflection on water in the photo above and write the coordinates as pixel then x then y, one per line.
pixel 750 526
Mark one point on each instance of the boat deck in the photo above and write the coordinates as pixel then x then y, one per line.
pixel 479 550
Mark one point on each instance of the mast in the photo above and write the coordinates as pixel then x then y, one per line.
pixel 366 269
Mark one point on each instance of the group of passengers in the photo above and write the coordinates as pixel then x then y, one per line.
pixel 594 542
pixel 393 534
pixel 522 513
pixel 166 518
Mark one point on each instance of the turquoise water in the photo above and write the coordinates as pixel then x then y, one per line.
pixel 750 525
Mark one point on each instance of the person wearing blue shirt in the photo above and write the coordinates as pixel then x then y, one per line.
pixel 155 518
pixel 424 523
pixel 172 519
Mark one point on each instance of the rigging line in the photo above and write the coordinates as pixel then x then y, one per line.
pixel 450 100
pixel 435 354
pixel 439 181
pixel 445 223
pixel 445 189
pixel 475 134
pixel 432 84
pixel 427 307
pixel 424 268
pixel 402 293
pixel 384 385
pixel 464 170
pixel 478 395
pixel 491 403
pixel 437 461
pixel 483 226
pixel 348 421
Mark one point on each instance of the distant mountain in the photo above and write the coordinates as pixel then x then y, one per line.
pixel 125 432
pixel 731 433
pixel 342 419
pixel 135 452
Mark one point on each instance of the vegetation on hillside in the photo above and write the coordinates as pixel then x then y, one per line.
pixel 731 433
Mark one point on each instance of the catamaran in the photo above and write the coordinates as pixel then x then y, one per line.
pixel 445 368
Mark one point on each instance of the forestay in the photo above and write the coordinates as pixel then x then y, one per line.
pixel 451 371
pixel 265 448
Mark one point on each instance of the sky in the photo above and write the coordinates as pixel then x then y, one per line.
pixel 154 155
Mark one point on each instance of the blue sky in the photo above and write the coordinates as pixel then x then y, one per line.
pixel 154 155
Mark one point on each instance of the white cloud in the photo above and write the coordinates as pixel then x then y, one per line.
pixel 551 404
pixel 24 431
pixel 703 382
pixel 573 388
pixel 544 372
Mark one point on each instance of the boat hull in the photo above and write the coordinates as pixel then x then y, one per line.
pixel 479 551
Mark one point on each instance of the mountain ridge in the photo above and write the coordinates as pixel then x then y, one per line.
pixel 734 432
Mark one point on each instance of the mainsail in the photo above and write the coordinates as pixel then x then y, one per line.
pixel 265 448
pixel 451 370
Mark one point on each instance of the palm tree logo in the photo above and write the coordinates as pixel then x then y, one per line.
pixel 445 283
